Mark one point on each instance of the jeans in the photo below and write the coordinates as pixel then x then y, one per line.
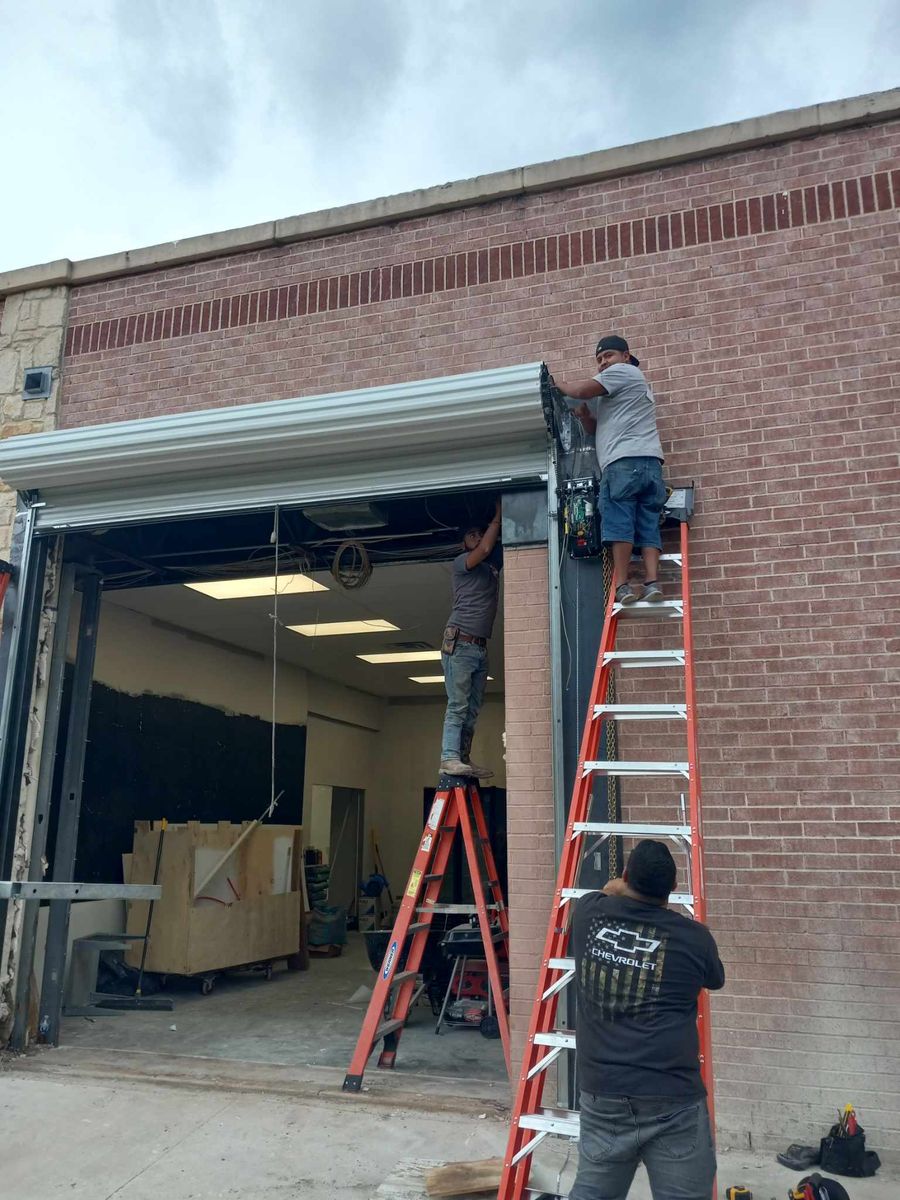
pixel 673 1139
pixel 465 675
pixel 632 495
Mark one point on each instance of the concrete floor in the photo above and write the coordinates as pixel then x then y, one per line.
pixel 297 1019
pixel 242 1099
pixel 66 1134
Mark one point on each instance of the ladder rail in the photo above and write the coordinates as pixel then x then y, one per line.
pixel 484 922
pixel 698 880
pixel 530 1084
pixel 425 896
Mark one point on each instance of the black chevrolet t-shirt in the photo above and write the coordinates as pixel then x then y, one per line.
pixel 639 971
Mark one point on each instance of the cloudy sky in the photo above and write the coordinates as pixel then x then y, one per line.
pixel 131 122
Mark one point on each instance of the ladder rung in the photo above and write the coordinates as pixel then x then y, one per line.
pixel 402 976
pixel 640 712
pixel 467 910
pixel 661 609
pixel 623 829
pixel 568 894
pixel 615 767
pixel 387 1027
pixel 670 558
pixel 644 658
pixel 419 925
pixel 432 878
pixel 560 1121
pixel 556 1037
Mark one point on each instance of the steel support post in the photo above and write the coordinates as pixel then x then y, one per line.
pixel 49 749
pixel 18 650
pixel 70 808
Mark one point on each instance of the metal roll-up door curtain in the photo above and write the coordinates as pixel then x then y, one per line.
pixel 461 431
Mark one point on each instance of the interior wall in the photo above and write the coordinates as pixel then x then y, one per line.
pixel 409 753
pixel 136 654
pixel 343 754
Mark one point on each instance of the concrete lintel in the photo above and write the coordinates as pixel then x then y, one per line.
pixel 563 172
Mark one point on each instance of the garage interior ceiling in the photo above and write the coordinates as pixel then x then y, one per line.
pixel 146 566
pixel 415 597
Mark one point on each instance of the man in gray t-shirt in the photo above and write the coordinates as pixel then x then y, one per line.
pixel 619 406
pixel 475 582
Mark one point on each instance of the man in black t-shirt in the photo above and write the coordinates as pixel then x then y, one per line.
pixel 476 589
pixel 639 970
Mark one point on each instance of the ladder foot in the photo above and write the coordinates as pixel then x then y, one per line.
pixel 386 1060
pixel 352 1083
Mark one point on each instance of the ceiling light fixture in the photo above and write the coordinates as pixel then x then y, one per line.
pixel 435 678
pixel 354 514
pixel 404 656
pixel 338 628
pixel 258 585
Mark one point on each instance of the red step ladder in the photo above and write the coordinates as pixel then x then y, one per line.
pixel 531 1120
pixel 456 807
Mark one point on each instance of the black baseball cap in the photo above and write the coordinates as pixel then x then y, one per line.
pixel 614 342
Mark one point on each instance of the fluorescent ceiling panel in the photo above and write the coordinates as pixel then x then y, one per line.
pixel 434 678
pixel 403 656
pixel 258 585
pixel 338 628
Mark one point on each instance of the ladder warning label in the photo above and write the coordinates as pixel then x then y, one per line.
pixel 426 842
pixel 414 883
pixel 389 961
pixel 435 815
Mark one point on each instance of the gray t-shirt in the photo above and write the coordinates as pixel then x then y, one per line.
pixel 475 594
pixel 626 418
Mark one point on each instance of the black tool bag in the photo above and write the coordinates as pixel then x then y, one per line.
pixel 847 1155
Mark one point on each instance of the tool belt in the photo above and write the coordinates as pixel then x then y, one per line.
pixel 453 634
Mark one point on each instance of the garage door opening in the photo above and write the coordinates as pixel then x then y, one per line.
pixel 211 697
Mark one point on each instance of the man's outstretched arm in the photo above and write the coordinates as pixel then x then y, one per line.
pixel 488 542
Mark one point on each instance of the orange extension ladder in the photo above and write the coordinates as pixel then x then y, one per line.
pixel 531 1120
pixel 456 807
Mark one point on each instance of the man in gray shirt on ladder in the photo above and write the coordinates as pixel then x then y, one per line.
pixel 618 404
pixel 476 590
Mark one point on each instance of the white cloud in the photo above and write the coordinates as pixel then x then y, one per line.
pixel 138 123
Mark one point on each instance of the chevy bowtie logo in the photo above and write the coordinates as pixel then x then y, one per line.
pixel 626 941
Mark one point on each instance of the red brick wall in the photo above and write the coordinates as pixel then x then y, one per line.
pixel 529 781
pixel 761 291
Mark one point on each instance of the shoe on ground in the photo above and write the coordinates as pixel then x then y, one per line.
pixel 625 594
pixel 479 772
pixel 798 1157
pixel 652 593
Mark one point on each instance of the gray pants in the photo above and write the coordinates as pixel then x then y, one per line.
pixel 672 1138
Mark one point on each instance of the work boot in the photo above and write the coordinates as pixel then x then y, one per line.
pixel 479 772
pixel 456 766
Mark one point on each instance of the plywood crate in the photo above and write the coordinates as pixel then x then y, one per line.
pixel 250 911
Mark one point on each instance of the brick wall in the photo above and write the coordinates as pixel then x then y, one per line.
pixel 760 290
pixel 529 782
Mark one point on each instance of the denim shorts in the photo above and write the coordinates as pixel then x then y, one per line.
pixel 632 495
